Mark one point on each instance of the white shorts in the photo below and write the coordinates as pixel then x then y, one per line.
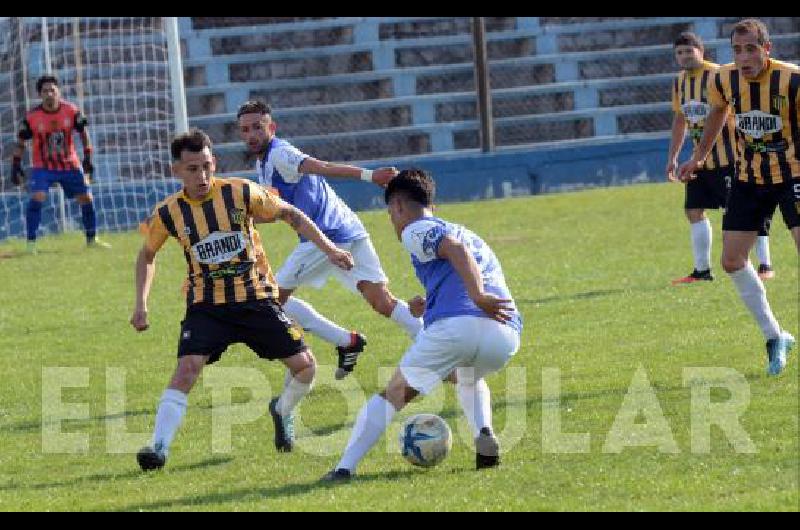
pixel 308 265
pixel 473 345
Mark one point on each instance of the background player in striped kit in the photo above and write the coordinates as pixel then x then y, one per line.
pixel 709 188
pixel 764 95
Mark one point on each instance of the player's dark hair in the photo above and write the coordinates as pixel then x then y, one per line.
pixel 254 107
pixel 49 78
pixel 194 140
pixel 687 38
pixel 751 25
pixel 415 184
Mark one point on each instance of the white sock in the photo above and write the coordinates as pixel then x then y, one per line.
pixel 752 292
pixel 293 392
pixel 371 422
pixel 402 315
pixel 476 403
pixel 169 415
pixel 701 244
pixel 313 322
pixel 762 250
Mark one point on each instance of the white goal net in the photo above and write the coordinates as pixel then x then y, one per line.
pixel 116 69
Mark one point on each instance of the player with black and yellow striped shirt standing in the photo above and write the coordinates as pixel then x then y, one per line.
pixel 764 96
pixel 229 298
pixel 709 190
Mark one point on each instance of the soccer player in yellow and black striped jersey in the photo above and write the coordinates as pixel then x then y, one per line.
pixel 709 189
pixel 764 96
pixel 230 299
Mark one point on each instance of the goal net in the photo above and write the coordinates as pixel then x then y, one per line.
pixel 116 69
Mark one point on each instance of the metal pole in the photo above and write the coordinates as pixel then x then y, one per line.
pixel 176 74
pixel 48 65
pixel 483 85
pixel 78 52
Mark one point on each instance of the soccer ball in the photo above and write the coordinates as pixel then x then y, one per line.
pixel 425 440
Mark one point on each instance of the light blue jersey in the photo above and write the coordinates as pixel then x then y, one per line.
pixel 445 293
pixel 309 193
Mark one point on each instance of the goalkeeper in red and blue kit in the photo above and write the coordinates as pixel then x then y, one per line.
pixel 51 126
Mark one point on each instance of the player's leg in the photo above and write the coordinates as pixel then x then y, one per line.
pixel 308 265
pixel 765 270
pixel 746 212
pixel 38 186
pixel 171 410
pixel 698 198
pixel 266 329
pixel 76 185
pixel 300 371
pixel 497 343
pixel 431 358
pixel 315 323
pixel 368 278
pixel 371 422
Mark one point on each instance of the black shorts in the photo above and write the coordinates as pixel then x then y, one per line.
pixel 262 325
pixel 709 190
pixel 750 206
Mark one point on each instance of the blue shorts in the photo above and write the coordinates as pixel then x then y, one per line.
pixel 72 182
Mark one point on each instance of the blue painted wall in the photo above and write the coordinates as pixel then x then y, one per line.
pixel 459 177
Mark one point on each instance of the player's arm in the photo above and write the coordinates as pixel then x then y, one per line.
pixel 467 268
pixel 713 126
pixel 380 176
pixel 676 144
pixel 17 173
pixel 81 125
pixel 155 236
pixel 145 272
pixel 266 207
pixel 307 229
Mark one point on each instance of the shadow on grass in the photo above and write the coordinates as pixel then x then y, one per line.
pixel 102 477
pixel 286 490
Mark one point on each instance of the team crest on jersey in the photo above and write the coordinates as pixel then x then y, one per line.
pixel 219 247
pixel 779 103
pixel 430 239
pixel 187 230
pixel 757 124
pixel 695 111
pixel 237 216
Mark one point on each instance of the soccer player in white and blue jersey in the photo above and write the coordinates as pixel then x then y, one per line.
pixel 472 327
pixel 299 180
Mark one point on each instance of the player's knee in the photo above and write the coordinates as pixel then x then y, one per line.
pixel 305 369
pixel 283 295
pixel 186 374
pixel 39 197
pixel 84 199
pixel 731 264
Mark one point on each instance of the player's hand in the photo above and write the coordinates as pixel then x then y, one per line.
pixel 672 165
pixel 88 167
pixel 383 175
pixel 417 306
pixel 341 258
pixel 139 320
pixel 687 170
pixel 17 173
pixel 497 308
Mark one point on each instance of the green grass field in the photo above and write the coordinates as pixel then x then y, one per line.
pixel 591 273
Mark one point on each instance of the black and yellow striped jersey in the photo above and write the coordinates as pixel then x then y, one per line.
pixel 223 251
pixel 766 113
pixel 690 101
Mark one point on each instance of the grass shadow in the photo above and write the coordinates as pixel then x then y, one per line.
pixel 102 477
pixel 287 490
